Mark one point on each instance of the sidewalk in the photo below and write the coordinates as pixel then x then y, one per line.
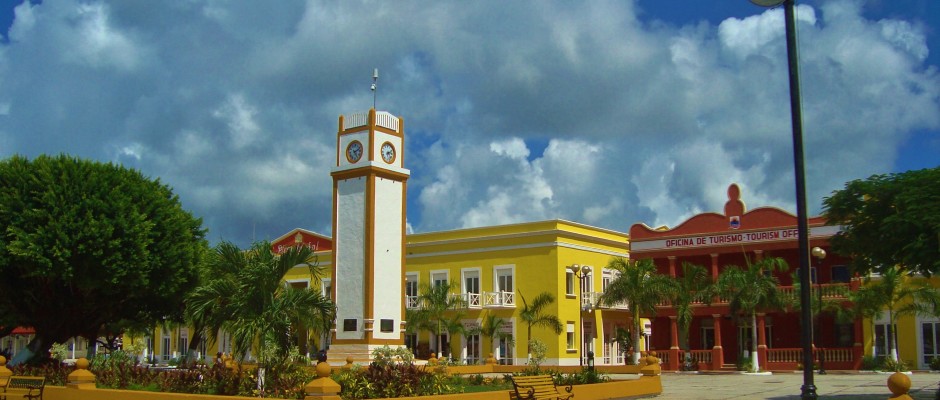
pixel 779 386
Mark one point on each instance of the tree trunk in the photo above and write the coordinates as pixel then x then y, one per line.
pixel 636 337
pixel 755 365
pixel 192 353
pixel 31 352
pixel 92 347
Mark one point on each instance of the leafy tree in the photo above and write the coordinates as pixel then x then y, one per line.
pixel 250 300
pixel 532 315
pixel 889 220
pixel 695 286
pixel 86 245
pixel 895 292
pixel 640 287
pixel 753 289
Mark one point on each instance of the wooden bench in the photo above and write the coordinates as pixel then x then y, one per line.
pixel 22 387
pixel 538 387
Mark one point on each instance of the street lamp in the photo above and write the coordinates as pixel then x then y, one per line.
pixel 820 254
pixel 580 272
pixel 808 390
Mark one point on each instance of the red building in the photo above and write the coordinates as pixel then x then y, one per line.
pixel 302 237
pixel 717 338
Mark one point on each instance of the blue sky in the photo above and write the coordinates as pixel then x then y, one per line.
pixel 606 113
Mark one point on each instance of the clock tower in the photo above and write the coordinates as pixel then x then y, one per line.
pixel 369 189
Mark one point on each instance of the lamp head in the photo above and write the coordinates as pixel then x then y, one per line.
pixel 586 269
pixel 575 268
pixel 819 253
pixel 768 3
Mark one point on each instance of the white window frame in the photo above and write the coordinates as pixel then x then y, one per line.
pixel 570 338
pixel 463 279
pixel 326 287
pixel 499 271
pixel 569 283
pixel 436 273
pixel 921 363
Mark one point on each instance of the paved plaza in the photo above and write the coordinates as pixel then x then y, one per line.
pixel 862 386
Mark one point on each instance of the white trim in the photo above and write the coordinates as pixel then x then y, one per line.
pixel 304 280
pixel 558 232
pixel 517 247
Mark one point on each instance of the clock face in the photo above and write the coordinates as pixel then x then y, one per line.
pixel 354 151
pixel 388 152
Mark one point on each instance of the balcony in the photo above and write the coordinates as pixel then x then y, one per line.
pixel 411 302
pixel 828 291
pixel 592 300
pixel 499 300
pixel 468 300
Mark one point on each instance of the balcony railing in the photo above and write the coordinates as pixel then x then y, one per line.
pixel 829 291
pixel 499 299
pixel 411 302
pixel 589 300
pixel 469 300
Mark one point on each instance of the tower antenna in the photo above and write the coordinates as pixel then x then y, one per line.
pixel 375 79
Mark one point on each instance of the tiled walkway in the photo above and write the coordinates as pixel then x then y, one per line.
pixel 781 386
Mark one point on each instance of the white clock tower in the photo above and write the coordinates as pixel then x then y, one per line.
pixel 369 188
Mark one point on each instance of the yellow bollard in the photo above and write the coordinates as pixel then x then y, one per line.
pixel 81 377
pixel 899 384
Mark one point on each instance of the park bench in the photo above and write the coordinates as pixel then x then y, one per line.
pixel 537 387
pixel 22 387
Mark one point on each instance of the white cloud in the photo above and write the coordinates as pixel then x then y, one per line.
pixel 240 118
pixel 94 42
pixel 513 111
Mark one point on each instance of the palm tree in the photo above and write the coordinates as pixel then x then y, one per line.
pixel 640 287
pixel 753 289
pixel 895 293
pixel 435 301
pixel 695 286
pixel 532 315
pixel 250 300
pixel 492 327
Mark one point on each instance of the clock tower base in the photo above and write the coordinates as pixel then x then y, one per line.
pixel 338 354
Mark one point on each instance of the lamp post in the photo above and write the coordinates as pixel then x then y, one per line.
pixel 819 254
pixel 808 390
pixel 580 272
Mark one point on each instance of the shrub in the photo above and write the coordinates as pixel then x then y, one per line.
pixel 872 363
pixel 935 363
pixel 583 377
pixel 56 374
pixel 394 374
pixel 744 364
pixel 895 366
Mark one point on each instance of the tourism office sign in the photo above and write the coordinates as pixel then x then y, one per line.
pixel 729 239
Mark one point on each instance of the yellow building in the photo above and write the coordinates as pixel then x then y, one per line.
pixel 918 335
pixel 491 269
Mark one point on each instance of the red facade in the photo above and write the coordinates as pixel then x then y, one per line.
pixel 717 338
pixel 302 237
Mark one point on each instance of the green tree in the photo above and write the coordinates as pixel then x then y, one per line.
pixel 86 245
pixel 491 328
pixel 435 301
pixel 640 287
pixel 250 300
pixel 751 290
pixel 889 220
pixel 694 287
pixel 896 292
pixel 532 315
